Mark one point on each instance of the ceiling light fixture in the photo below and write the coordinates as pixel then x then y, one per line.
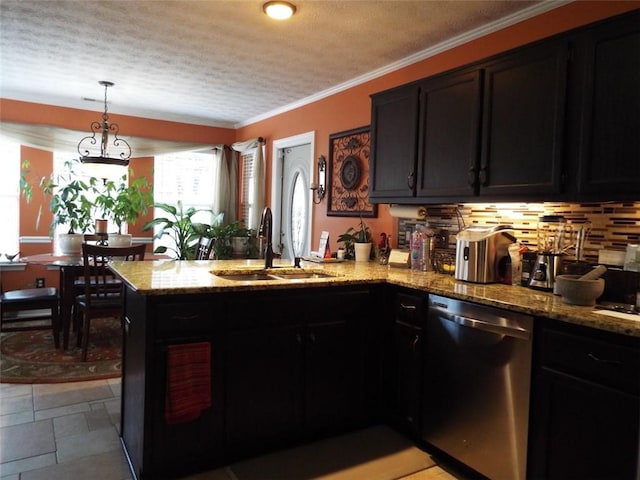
pixel 279 10
pixel 104 128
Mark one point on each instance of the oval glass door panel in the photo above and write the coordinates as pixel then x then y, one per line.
pixel 298 214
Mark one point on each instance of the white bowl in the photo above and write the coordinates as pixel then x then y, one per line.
pixel 579 292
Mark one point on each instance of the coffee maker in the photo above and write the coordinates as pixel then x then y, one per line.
pixel 554 238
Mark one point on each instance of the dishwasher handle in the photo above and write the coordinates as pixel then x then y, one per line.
pixel 510 331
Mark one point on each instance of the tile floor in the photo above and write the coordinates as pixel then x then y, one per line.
pixel 70 431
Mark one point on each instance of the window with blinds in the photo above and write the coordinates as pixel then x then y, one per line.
pixel 9 199
pixel 185 176
pixel 248 171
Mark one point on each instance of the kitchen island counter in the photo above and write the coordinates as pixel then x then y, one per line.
pixel 170 277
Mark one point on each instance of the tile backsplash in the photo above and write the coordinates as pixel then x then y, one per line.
pixel 613 224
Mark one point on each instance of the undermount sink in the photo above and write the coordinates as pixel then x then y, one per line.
pixel 246 277
pixel 276 274
pixel 301 275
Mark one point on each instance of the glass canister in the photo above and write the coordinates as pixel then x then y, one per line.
pixel 554 234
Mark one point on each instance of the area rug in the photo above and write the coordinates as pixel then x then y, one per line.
pixel 30 356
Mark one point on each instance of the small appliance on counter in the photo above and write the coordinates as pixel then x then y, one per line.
pixel 554 236
pixel 479 250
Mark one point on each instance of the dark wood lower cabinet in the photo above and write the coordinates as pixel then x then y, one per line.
pixel 405 364
pixel 584 430
pixel 264 377
pixel 155 449
pixel 585 411
pixel 287 366
pixel 295 369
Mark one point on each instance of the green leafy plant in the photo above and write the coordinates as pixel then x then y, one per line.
pixel 353 235
pixel 223 233
pixel 179 226
pixel 123 203
pixel 69 202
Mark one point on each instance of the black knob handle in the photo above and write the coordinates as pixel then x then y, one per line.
pixel 484 176
pixel 411 180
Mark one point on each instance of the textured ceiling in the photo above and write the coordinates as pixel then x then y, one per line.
pixel 218 62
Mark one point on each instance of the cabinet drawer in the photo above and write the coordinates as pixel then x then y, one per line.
pixel 409 308
pixel 185 319
pixel 604 362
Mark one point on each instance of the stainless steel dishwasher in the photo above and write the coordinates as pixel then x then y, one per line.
pixel 476 388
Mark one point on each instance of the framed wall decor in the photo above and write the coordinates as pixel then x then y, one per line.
pixel 348 186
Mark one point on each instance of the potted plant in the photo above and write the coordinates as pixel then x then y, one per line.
pixel 70 205
pixel 180 228
pixel 123 203
pixel 357 242
pixel 232 240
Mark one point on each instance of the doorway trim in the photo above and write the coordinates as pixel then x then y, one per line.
pixel 276 176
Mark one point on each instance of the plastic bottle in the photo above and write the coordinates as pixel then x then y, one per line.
pixel 416 249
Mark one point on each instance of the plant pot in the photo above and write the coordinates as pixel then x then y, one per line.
pixel 70 243
pixel 120 240
pixel 363 250
pixel 239 245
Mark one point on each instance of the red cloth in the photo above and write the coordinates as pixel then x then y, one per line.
pixel 188 391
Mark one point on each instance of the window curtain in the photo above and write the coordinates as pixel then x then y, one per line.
pixel 256 188
pixel 221 182
pixel 232 215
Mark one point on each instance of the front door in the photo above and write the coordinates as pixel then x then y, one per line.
pixel 296 201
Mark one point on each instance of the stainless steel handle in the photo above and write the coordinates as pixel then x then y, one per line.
pixel 515 332
pixel 604 360
pixel 407 307
pixel 414 344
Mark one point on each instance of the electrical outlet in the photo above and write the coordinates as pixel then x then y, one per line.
pixel 40 282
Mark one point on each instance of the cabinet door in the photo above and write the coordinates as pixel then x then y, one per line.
pixel 394 146
pixel 523 123
pixel 183 448
pixel 264 375
pixel 335 348
pixel 449 135
pixel 132 426
pixel 610 124
pixel 582 430
pixel 333 378
pixel 406 364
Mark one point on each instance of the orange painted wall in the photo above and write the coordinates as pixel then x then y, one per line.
pixel 342 111
pixel 41 165
pixel 351 108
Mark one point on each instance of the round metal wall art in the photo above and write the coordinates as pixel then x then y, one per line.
pixel 351 172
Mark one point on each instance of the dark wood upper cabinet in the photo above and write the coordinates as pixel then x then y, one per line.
pixel 523 123
pixel 449 135
pixel 609 66
pixel 557 120
pixel 394 127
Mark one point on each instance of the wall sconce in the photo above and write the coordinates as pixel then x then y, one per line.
pixel 319 187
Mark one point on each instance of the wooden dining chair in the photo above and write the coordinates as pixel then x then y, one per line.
pixel 28 301
pixel 79 282
pixel 100 298
pixel 203 248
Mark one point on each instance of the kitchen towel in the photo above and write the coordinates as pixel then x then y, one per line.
pixel 188 391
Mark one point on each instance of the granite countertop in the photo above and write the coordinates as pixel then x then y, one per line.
pixel 170 277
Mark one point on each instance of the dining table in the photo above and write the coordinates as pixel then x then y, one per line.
pixel 70 267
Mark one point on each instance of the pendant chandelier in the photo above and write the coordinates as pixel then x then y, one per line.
pixel 104 129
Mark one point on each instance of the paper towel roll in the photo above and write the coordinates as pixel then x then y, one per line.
pixel 408 211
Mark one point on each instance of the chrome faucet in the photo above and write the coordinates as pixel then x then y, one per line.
pixel 265 232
